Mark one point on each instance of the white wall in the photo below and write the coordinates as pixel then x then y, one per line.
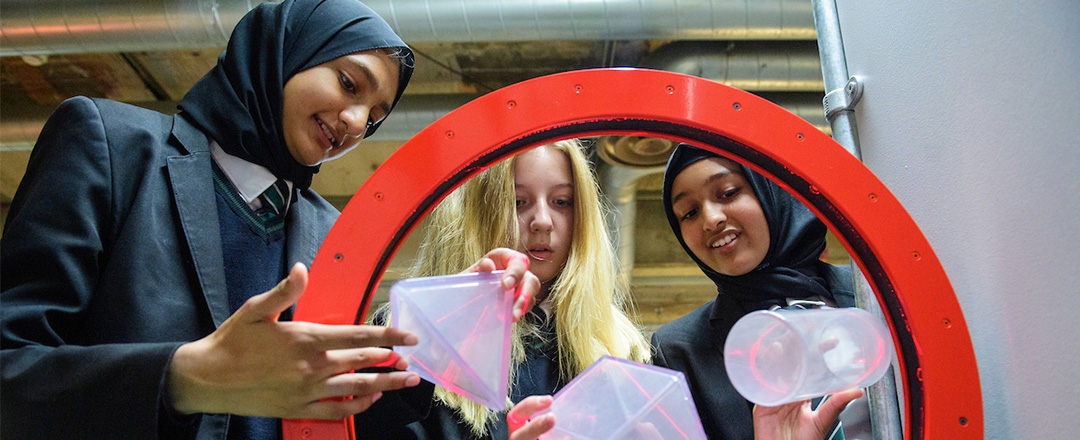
pixel 971 116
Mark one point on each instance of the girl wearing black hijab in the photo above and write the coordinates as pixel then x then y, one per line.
pixel 762 248
pixel 134 233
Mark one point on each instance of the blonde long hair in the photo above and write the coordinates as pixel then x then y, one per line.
pixel 590 301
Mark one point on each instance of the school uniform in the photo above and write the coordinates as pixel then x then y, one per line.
pixel 112 258
pixel 790 270
pixel 126 239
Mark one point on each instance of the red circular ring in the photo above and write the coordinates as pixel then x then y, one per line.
pixel 937 365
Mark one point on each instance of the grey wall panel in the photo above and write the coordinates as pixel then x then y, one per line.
pixel 971 115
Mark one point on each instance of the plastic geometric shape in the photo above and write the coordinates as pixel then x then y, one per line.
pixel 463 324
pixel 620 399
pixel 783 356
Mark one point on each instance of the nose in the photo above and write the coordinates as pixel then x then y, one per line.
pixel 713 215
pixel 355 118
pixel 541 220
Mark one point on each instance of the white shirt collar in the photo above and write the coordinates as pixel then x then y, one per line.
pixel 248 178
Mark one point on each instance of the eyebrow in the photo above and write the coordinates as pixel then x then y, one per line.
pixel 707 181
pixel 373 82
pixel 561 185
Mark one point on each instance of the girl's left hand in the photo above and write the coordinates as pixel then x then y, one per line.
pixel 516 276
pixel 521 428
pixel 796 421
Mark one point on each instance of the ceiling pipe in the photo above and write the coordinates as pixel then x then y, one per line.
pixel 412 114
pixel 756 66
pixel 46 27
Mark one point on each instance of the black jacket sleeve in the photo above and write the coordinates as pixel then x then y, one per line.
pixel 56 238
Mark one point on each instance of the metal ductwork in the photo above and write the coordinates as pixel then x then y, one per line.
pixel 757 66
pixel 619 187
pixel 43 27
pixel 411 115
pixel 37 27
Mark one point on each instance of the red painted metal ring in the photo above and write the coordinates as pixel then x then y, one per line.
pixel 937 362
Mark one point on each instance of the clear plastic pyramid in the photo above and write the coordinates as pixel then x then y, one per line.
pixel 463 323
pixel 620 399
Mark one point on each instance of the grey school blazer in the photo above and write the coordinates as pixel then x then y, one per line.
pixel 111 259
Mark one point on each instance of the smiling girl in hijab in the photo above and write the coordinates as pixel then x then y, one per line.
pixel 239 103
pixel 762 248
pixel 135 233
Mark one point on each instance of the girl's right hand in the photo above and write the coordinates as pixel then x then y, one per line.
pixel 516 275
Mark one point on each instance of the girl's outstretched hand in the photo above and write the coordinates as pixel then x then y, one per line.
pixel 796 421
pixel 256 365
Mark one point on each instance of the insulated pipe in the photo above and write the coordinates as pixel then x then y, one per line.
pixel 44 27
pixel 619 187
pixel 752 66
pixel 412 114
pixel 516 20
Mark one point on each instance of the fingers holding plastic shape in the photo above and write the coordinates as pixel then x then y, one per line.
pixel 646 431
pixel 514 264
pixel 516 276
pixel 830 409
pixel 797 420
pixel 828 344
pixel 518 419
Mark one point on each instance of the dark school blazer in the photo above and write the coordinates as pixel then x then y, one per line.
pixel 694 345
pixel 111 259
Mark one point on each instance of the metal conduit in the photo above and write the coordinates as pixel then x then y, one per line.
pixel 44 27
pixel 884 396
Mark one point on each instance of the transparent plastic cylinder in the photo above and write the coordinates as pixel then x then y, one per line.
pixel 784 356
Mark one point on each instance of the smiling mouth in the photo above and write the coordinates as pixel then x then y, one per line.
pixel 723 241
pixel 326 132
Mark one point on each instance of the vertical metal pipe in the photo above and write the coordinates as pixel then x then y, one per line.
pixel 834 71
pixel 885 414
pixel 619 186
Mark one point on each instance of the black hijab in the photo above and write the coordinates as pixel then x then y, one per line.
pixel 239 102
pixel 791 268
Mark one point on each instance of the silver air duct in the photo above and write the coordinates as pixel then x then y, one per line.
pixel 43 27
pixel 411 115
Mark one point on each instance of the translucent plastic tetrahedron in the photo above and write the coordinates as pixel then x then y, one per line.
pixel 620 399
pixel 463 322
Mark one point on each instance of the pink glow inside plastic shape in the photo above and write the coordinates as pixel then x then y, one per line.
pixel 620 399
pixel 463 323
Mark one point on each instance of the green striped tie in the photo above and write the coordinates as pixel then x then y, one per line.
pixel 275 200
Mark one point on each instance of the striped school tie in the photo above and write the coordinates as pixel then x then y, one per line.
pixel 275 200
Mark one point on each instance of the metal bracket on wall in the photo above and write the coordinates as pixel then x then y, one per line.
pixel 843 99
